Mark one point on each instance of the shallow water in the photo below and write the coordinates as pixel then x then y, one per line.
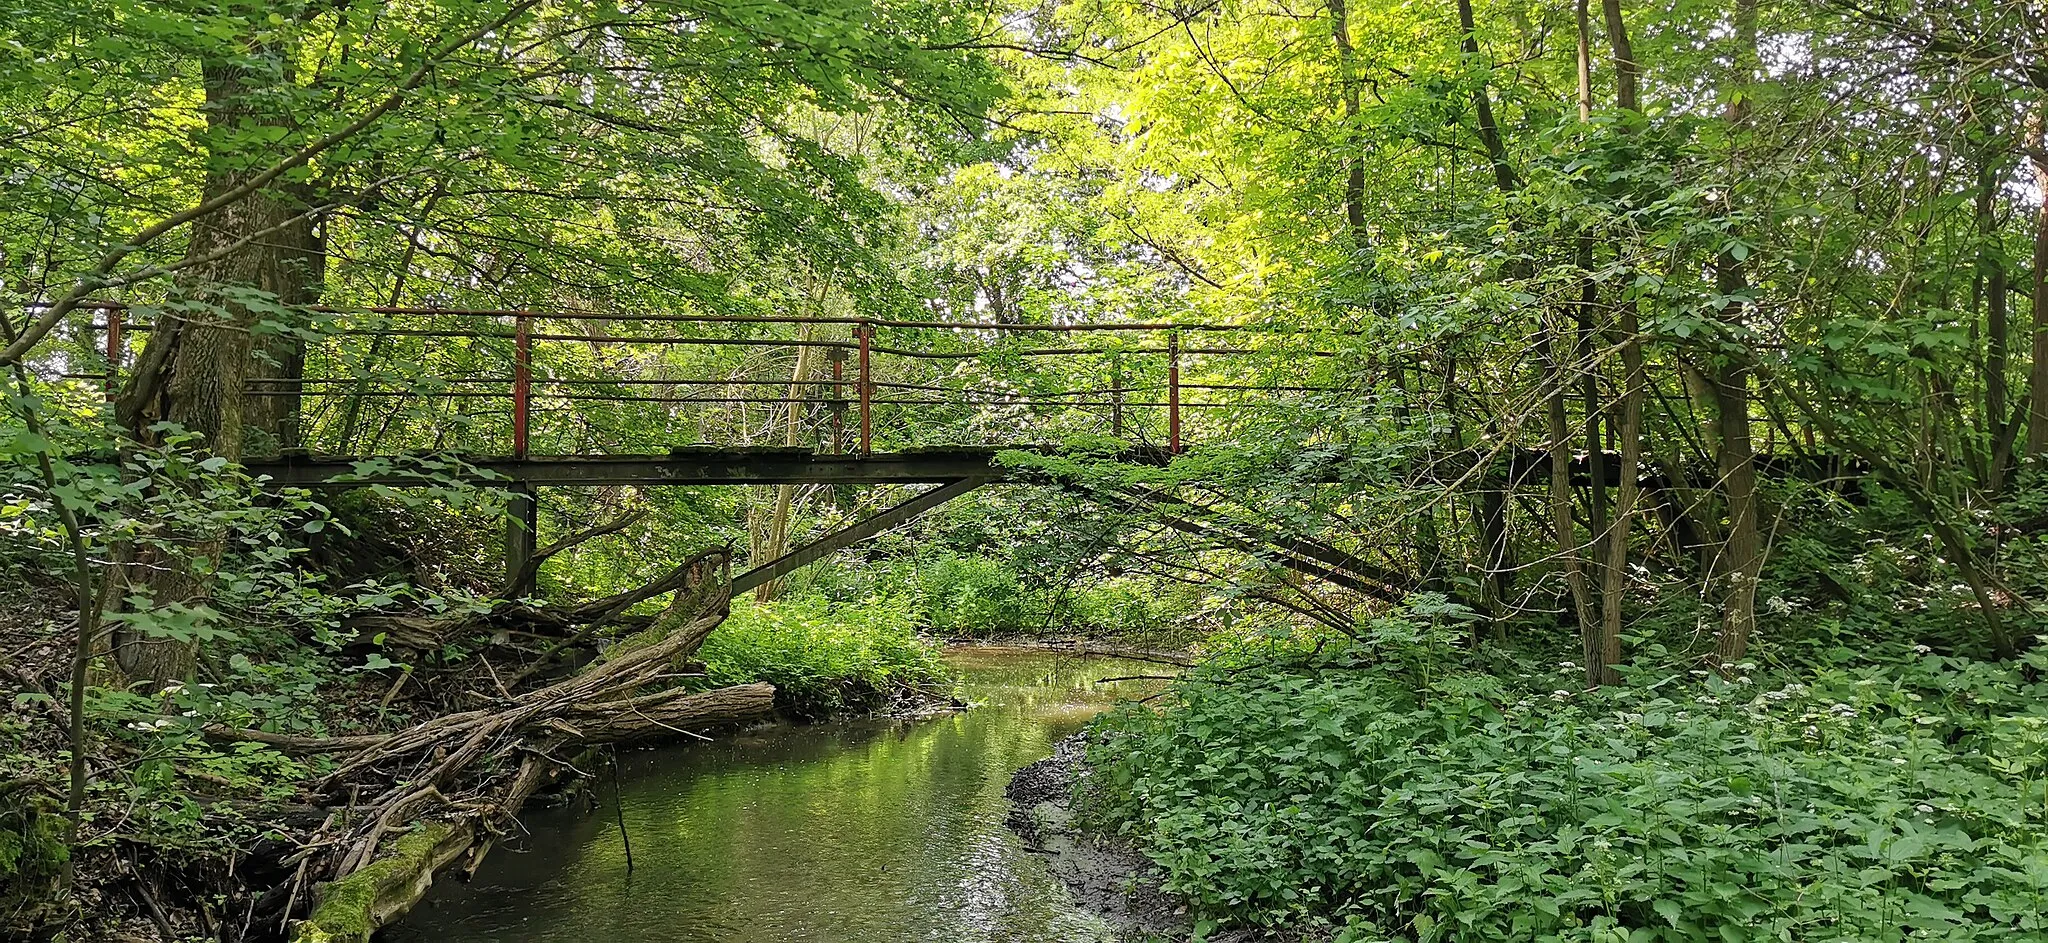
pixel 884 830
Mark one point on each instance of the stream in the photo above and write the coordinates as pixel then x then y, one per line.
pixel 846 832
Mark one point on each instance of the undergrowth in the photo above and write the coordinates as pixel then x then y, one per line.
pixel 827 657
pixel 1394 789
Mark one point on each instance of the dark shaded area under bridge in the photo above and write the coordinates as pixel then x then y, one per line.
pixel 774 465
pixel 682 466
pixel 956 471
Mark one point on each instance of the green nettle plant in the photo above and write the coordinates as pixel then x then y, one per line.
pixel 1901 797
pixel 826 657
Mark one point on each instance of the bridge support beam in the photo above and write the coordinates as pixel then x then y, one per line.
pixel 1309 558
pixel 522 530
pixel 831 543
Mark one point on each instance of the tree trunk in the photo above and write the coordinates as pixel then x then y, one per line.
pixel 775 542
pixel 1593 645
pixel 279 362
pixel 1629 429
pixel 1997 331
pixel 1496 578
pixel 2037 393
pixel 1625 68
pixel 1570 559
pixel 1742 553
pixel 194 368
pixel 1554 342
pixel 1354 150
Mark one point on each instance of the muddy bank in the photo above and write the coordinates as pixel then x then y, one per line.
pixel 1105 875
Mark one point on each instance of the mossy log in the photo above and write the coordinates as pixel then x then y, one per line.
pixel 352 908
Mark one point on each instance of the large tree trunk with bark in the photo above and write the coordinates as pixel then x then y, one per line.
pixel 194 369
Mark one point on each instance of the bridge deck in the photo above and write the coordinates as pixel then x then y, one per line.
pixel 683 466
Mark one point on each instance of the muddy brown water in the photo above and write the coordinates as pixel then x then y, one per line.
pixel 868 831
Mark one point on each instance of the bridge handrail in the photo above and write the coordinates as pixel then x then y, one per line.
pixel 863 388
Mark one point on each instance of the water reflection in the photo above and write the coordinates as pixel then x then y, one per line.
pixel 857 831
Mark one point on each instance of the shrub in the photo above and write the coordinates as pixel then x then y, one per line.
pixel 32 852
pixel 975 596
pixel 1900 798
pixel 825 657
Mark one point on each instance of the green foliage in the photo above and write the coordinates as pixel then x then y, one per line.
pixel 826 657
pixel 974 596
pixel 1890 796
pixel 32 849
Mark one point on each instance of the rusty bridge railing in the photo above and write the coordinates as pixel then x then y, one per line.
pixel 868 343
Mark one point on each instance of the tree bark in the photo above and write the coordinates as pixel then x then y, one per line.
pixel 278 364
pixel 1991 284
pixel 1629 429
pixel 1625 68
pixel 1742 552
pixel 1554 341
pixel 777 539
pixel 2037 393
pixel 1571 560
pixel 1354 150
pixel 1594 647
pixel 193 371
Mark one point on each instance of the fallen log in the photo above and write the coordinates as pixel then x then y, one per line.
pixel 476 768
pixel 667 714
pixel 354 907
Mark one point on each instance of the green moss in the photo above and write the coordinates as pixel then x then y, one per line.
pixel 354 907
pixel 678 614
pixel 31 857
pixel 32 851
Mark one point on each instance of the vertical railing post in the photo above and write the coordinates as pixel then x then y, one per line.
pixel 522 384
pixel 1116 395
pixel 522 537
pixel 522 518
pixel 865 332
pixel 1173 393
pixel 114 327
pixel 838 398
